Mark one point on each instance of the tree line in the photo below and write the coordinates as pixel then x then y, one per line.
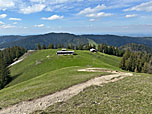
pixel 12 54
pixel 137 48
pixel 68 46
pixel 104 48
pixel 111 50
pixel 8 56
pixel 136 62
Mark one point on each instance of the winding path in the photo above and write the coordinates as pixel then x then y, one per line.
pixel 27 107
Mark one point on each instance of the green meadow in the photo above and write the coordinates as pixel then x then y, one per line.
pixel 38 63
pixel 43 73
pixel 132 95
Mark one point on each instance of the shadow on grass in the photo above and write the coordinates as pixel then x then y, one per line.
pixel 13 78
pixel 17 75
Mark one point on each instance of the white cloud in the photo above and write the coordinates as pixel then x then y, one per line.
pixel 55 7
pixel 8 26
pixel 100 14
pixel 4 4
pixel 32 9
pixel 39 1
pixel 92 20
pixel 63 1
pixel 95 12
pixel 92 10
pixel 3 15
pixel 53 17
pixel 131 15
pixel 15 19
pixel 40 25
pixel 15 23
pixel 25 27
pixel 49 9
pixel 3 26
pixel 147 6
pixel 1 23
pixel 33 6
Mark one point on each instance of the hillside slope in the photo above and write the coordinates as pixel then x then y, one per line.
pixel 39 74
pixel 38 63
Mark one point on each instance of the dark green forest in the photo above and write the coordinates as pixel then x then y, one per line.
pixel 111 50
pixel 137 48
pixel 11 54
pixel 4 73
pixel 8 56
pixel 136 62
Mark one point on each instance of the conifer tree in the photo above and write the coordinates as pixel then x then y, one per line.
pixel 4 73
pixel 51 46
pixel 87 46
pixel 38 46
pixel 43 46
pixel 80 47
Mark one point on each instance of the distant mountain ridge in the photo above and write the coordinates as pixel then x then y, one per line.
pixel 30 42
pixel 115 40
pixel 10 38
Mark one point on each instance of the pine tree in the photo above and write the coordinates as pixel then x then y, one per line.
pixel 43 46
pixel 80 47
pixel 149 70
pixel 69 46
pixel 4 73
pixel 87 46
pixel 99 48
pixel 17 53
pixel 59 46
pixel 124 61
pixel 145 68
pixel 136 70
pixel 38 46
pixel 94 46
pixel 51 46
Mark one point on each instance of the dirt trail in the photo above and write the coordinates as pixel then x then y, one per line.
pixel 27 107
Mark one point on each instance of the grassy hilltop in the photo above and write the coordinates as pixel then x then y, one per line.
pixel 39 75
pixel 38 63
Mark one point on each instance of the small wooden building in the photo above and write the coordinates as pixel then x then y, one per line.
pixel 65 52
pixel 93 50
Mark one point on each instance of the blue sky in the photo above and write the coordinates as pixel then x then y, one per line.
pixel 22 17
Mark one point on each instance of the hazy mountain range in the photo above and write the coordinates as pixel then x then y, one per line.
pixel 30 41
